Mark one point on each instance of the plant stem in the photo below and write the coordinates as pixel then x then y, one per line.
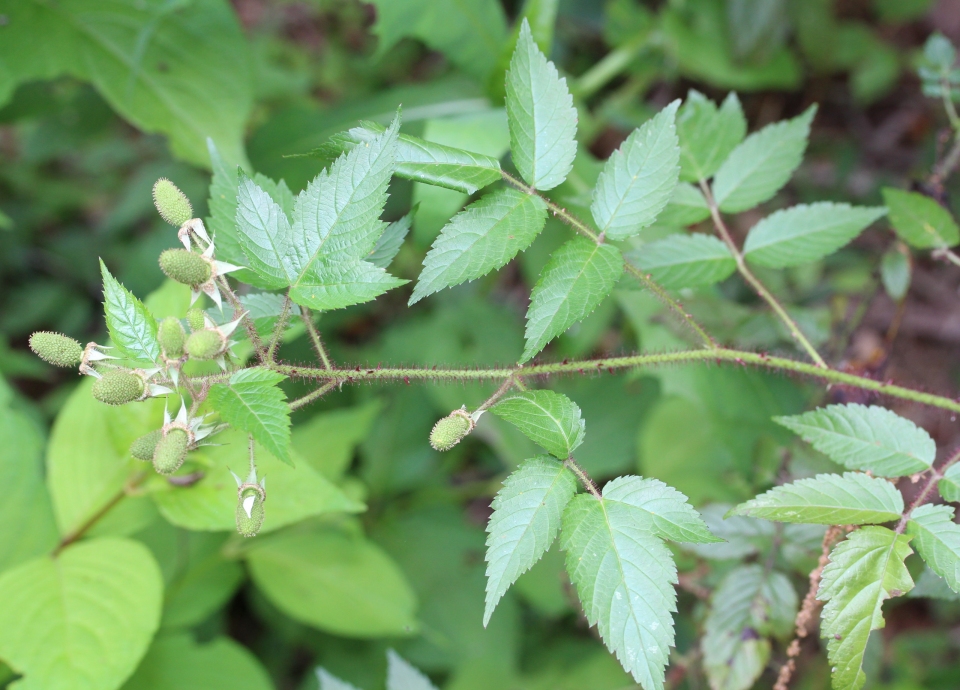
pixel 609 67
pixel 251 447
pixel 945 253
pixel 278 329
pixel 648 282
pixel 582 475
pixel 499 393
pixel 754 282
pixel 315 338
pixel 313 395
pixel 84 527
pixel 935 476
pixel 248 323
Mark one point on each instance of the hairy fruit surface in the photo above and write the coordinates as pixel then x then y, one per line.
pixel 185 267
pixel 172 204
pixel 56 349
pixel 118 387
pixel 450 430
pixel 145 446
pixel 171 451
pixel 205 344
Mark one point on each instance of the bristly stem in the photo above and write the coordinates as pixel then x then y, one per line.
pixel 313 395
pixel 754 282
pixel 936 474
pixel 584 478
pixel 248 323
pixel 648 282
pixel 278 329
pixel 251 447
pixel 315 338
pixel 509 383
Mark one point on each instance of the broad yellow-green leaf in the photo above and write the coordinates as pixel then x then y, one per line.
pixel 177 661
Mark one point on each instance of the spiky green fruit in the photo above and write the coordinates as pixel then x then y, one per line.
pixel 450 430
pixel 171 337
pixel 145 446
pixel 170 451
pixel 172 204
pixel 205 344
pixel 185 267
pixel 118 387
pixel 56 349
pixel 195 319
pixel 250 512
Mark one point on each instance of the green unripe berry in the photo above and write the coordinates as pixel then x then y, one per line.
pixel 205 344
pixel 185 267
pixel 118 387
pixel 450 430
pixel 171 337
pixel 170 451
pixel 145 446
pixel 172 204
pixel 195 319
pixel 56 349
pixel 250 512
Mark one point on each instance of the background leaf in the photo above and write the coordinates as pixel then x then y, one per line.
pixel 388 246
pixel 919 220
pixel 937 539
pixel 542 119
pixel 949 486
pixel 549 419
pixel 133 330
pixel 95 608
pixel 806 233
pixel 330 682
pixel 829 499
pixel 872 439
pixel 525 521
pixel 680 261
pixel 402 676
pixel 708 134
pixel 758 167
pixel 253 402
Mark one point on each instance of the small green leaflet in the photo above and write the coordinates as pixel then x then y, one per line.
pixel 708 135
pixel 525 521
pixel 424 161
pixel 664 509
pixel 222 204
pixel 828 499
pixel 686 207
pixel 949 486
pixel 540 112
pixel 937 539
pixel 624 576
pixel 388 246
pixel 762 164
pixel 263 233
pixel 89 614
pixel 806 233
pixel 748 606
pixel 932 586
pixel 330 682
pixel 864 570
pixel 741 536
pixel 254 403
pixel 919 220
pixel 895 270
pixel 865 438
pixel 132 328
pixel 401 675
pixel 680 261
pixel 639 178
pixel 575 280
pixel 481 238
pixel 549 419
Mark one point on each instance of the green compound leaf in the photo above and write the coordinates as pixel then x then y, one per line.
pixel 83 619
pixel 639 178
pixel 667 513
pixel 154 64
pixel 481 238
pixel 937 539
pixel 263 233
pixel 708 134
pixel 176 661
pixel 686 207
pixel 336 224
pixel 401 675
pixel 423 161
pixel 253 402
pixel 133 329
pixel 336 581
pixel 919 220
pixel 549 419
pixel 828 499
pixel 949 486
pixel 865 438
pixel 540 112
pixel 864 570
pixel 575 280
pixel 624 576
pixel 681 261
pixel 525 521
pixel 748 607
pixel 806 233
pixel 762 164
pixel 388 246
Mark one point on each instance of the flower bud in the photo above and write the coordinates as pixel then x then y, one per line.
pixel 145 446
pixel 118 387
pixel 250 510
pixel 195 319
pixel 56 349
pixel 171 337
pixel 170 451
pixel 185 267
pixel 205 344
pixel 450 430
pixel 172 204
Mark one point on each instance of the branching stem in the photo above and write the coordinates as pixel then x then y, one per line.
pixel 278 329
pixel 318 347
pixel 313 395
pixel 582 475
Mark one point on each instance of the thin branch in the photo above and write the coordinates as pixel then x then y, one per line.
pixel 88 524
pixel 755 283
pixel 935 476
pixel 278 329
pixel 315 338
pixel 499 393
pixel 582 475
pixel 247 322
pixel 313 395
pixel 251 448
